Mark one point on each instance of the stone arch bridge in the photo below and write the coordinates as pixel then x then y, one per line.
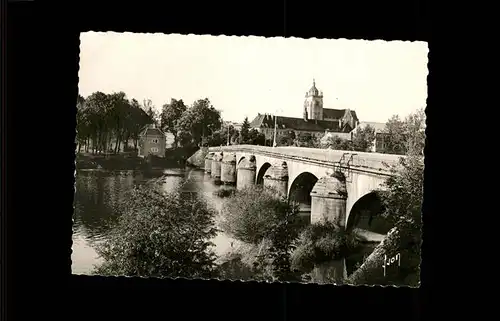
pixel 337 185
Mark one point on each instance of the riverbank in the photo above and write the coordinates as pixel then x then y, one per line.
pixel 175 157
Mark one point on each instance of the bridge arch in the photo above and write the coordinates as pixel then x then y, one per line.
pixel 301 187
pixel 262 171
pixel 300 193
pixel 366 214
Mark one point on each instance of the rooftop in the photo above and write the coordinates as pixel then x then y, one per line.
pixel 267 121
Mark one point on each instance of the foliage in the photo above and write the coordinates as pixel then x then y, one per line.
pixel 161 235
pixel 245 131
pixel 406 136
pixel 363 138
pixel 220 137
pixel 305 139
pixel 403 203
pixel 322 242
pixel 151 111
pixel 256 138
pixel 170 115
pixel 255 215
pixel 198 121
pixel 102 118
pixel 284 231
pixel 251 214
pixel 394 140
pixel 248 262
pixel 223 192
pixel 335 142
pixel 287 138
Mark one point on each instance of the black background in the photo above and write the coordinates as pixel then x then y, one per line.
pixel 38 106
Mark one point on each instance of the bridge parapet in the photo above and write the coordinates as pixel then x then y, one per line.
pixel 358 161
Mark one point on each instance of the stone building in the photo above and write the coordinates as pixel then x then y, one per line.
pixel 153 141
pixel 316 120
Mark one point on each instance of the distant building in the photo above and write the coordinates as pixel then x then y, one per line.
pixel 235 125
pixel 152 141
pixel 316 120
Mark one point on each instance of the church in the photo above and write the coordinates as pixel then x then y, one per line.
pixel 316 120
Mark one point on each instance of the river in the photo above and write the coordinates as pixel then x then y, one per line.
pixel 98 192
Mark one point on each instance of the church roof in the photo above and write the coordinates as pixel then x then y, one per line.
pixel 338 113
pixel 267 121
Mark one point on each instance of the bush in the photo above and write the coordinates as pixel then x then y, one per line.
pixel 256 216
pixel 249 215
pixel 248 262
pixel 223 192
pixel 161 235
pixel 322 242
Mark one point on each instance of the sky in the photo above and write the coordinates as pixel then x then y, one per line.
pixel 243 76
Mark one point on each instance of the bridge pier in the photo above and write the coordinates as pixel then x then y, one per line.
pixel 276 178
pixel 228 169
pixel 329 199
pixel 216 166
pixel 246 173
pixel 208 162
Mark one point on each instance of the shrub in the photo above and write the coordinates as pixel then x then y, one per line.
pixel 322 242
pixel 256 216
pixel 248 262
pixel 250 215
pixel 223 192
pixel 161 235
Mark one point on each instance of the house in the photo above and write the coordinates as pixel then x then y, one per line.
pixel 153 141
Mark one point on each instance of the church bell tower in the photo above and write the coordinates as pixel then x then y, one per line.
pixel 313 104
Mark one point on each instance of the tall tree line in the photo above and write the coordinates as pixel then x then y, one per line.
pixel 106 118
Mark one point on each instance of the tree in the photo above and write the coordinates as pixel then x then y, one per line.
pixel 201 120
pixel 219 137
pixel 256 138
pixel 395 136
pixel 363 139
pixel 335 142
pixel 404 137
pixel 82 125
pixel 245 131
pixel 287 138
pixel 415 133
pixel 160 235
pixel 102 117
pixel 170 115
pixel 306 140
